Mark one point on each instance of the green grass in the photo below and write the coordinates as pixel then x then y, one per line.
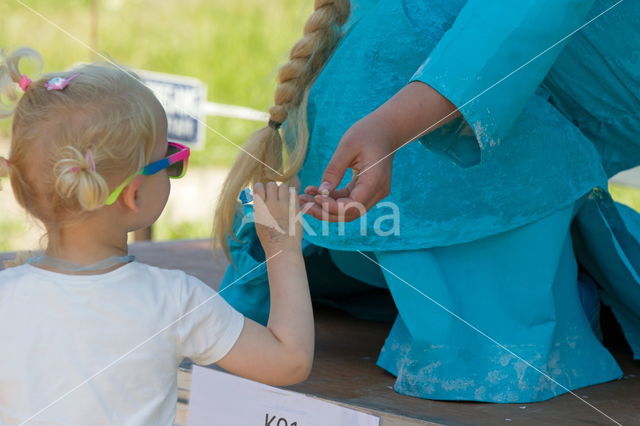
pixel 233 46
pixel 11 230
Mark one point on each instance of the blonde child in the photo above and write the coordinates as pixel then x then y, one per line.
pixel 89 335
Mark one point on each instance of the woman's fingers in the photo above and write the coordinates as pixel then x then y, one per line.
pixel 304 199
pixel 341 193
pixel 332 210
pixel 319 213
pixel 342 159
pixel 354 200
pixel 311 190
pixel 370 187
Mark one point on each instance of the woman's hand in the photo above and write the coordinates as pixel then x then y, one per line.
pixel 368 148
pixel 275 212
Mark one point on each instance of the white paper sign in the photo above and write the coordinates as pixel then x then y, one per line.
pixel 220 399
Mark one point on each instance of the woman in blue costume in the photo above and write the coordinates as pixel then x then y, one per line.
pixel 518 124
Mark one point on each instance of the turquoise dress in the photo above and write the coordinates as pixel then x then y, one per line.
pixel 474 241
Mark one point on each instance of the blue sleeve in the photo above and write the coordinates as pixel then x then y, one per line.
pixel 490 62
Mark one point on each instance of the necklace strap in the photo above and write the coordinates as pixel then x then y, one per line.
pixel 73 267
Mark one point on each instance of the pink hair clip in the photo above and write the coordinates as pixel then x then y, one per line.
pixel 59 83
pixel 88 158
pixel 24 82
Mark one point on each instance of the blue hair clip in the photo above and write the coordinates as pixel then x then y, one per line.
pixel 59 83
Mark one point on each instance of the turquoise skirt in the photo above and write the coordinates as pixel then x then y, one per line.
pixel 500 319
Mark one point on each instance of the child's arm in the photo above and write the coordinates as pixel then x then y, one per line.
pixel 281 353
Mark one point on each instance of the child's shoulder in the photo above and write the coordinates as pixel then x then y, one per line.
pixel 141 271
pixel 171 277
pixel 12 276
pixel 185 288
pixel 146 276
pixel 13 272
pixel 160 272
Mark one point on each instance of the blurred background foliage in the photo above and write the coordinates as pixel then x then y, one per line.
pixel 233 46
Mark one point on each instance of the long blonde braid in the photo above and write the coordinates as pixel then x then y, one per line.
pixel 266 156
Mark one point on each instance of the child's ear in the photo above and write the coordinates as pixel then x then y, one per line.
pixel 129 196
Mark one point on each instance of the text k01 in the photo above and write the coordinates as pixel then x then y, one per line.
pixel 277 421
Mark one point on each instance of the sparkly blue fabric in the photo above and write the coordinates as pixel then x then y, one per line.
pixel 542 163
pixel 485 202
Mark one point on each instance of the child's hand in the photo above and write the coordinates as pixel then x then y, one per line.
pixel 276 213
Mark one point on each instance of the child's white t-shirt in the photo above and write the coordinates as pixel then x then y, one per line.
pixel 126 330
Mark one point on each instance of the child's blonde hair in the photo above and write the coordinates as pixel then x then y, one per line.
pixel 308 56
pixel 69 146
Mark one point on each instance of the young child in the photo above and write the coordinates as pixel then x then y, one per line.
pixel 89 335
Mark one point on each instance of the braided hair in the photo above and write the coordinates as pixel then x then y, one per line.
pixel 266 157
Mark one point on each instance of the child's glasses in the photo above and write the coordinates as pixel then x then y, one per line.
pixel 175 162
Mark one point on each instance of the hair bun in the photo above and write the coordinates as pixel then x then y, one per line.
pixel 77 179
